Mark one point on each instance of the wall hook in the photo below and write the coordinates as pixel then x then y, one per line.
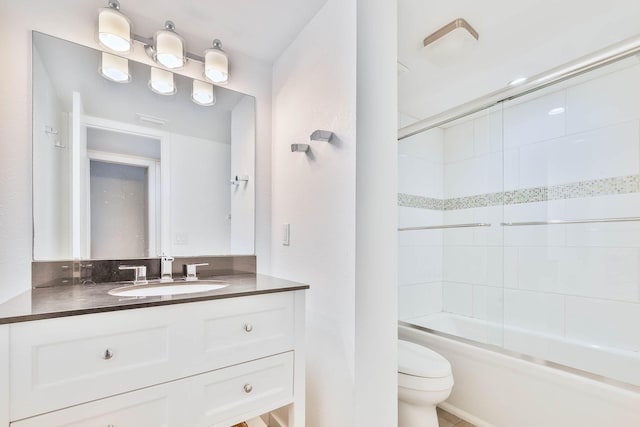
pixel 302 148
pixel 236 180
pixel 321 135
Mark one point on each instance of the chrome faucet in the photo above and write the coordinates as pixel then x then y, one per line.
pixel 190 272
pixel 166 269
pixel 140 272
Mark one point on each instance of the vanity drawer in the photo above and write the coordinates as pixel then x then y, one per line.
pixel 243 329
pixel 62 362
pixel 228 396
pixel 151 407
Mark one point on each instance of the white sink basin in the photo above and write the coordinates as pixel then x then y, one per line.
pixel 160 289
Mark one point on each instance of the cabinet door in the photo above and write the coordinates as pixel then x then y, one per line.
pixel 62 362
pixel 158 406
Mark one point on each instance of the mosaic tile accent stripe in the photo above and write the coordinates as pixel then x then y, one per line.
pixel 597 187
pixel 411 201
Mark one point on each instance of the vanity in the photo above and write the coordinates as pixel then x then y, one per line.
pixel 76 356
pixel 128 180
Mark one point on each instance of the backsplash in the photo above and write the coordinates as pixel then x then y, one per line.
pixel 60 273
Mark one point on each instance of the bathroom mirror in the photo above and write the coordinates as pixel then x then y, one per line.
pixel 120 171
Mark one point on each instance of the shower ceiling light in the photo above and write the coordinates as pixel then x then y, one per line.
pixel 161 82
pixel 169 48
pixel 165 48
pixel 216 63
pixel 114 29
pixel 115 68
pixel 556 111
pixel 202 93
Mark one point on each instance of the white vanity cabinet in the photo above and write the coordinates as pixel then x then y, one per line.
pixel 209 363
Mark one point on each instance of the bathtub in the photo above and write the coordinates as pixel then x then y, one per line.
pixel 558 383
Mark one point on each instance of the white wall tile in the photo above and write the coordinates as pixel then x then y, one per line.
pixel 419 177
pixel 510 267
pixel 603 153
pixel 495 266
pixel 457 298
pixel 527 122
pixel 466 264
pixel 613 206
pixel 534 311
pixel 607 323
pixel 419 300
pixel 488 132
pixel 612 98
pixel 611 273
pixel 419 264
pixel 458 142
pixel 613 234
pixel 425 145
pixel 415 217
pixel 488 303
pixel 477 175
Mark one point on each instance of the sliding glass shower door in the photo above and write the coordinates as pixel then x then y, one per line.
pixel 519 225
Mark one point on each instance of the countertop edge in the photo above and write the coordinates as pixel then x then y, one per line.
pixel 103 309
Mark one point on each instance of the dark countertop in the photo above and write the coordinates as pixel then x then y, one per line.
pixel 73 300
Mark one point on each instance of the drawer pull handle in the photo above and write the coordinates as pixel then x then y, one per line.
pixel 248 327
pixel 108 354
pixel 248 388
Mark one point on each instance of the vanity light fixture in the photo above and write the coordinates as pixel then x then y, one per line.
pixel 114 29
pixel 216 63
pixel 161 82
pixel 168 47
pixel 202 93
pixel 115 68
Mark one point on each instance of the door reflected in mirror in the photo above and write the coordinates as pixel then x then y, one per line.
pixel 122 172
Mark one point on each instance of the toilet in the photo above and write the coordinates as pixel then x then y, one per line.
pixel 424 380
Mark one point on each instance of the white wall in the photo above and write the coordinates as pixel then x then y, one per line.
pixel 340 202
pixel 314 88
pixel 243 132
pixel 376 299
pixel 200 203
pixel 75 21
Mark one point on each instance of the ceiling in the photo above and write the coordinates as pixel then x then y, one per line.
pixel 260 29
pixel 520 38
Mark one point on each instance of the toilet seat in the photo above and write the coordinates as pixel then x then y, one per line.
pixel 419 361
pixel 425 384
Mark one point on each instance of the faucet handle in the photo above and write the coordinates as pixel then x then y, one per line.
pixel 190 270
pixel 140 272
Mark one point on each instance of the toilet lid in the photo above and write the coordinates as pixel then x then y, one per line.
pixel 419 361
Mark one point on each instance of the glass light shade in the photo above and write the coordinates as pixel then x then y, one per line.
pixel 202 93
pixel 161 82
pixel 169 49
pixel 115 68
pixel 216 64
pixel 114 30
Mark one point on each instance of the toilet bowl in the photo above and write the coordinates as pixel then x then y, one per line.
pixel 424 380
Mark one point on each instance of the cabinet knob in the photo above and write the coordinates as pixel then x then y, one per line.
pixel 248 327
pixel 108 354
pixel 248 388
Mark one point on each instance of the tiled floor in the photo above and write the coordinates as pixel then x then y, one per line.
pixel 449 420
